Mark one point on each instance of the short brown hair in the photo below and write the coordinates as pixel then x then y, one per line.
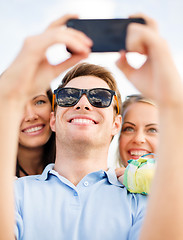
pixel 86 69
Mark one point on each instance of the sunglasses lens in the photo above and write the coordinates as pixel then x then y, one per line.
pixel 67 97
pixel 100 97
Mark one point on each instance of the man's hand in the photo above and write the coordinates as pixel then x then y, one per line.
pixel 31 70
pixel 158 70
pixel 159 80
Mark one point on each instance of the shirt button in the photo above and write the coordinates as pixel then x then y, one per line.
pixel 86 183
pixel 75 194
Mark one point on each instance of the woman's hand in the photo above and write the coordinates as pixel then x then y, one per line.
pixel 120 173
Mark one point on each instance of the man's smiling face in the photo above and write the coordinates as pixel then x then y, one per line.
pixel 84 123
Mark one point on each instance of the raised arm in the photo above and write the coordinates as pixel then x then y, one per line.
pixel 28 72
pixel 159 80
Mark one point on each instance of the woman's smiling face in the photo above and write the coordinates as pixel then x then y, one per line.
pixel 35 126
pixel 139 134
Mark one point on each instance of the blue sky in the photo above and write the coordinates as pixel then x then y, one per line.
pixel 21 18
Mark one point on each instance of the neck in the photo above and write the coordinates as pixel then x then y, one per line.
pixel 30 159
pixel 74 163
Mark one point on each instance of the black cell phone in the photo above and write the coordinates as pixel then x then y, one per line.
pixel 108 35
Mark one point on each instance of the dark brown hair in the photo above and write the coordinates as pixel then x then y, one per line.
pixel 50 147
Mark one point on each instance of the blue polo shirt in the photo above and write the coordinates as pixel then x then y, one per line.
pixel 49 207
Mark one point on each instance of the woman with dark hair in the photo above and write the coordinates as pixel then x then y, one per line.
pixel 36 140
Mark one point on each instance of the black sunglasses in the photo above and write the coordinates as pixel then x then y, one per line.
pixel 98 97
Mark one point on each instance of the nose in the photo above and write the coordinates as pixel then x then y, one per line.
pixel 30 113
pixel 83 104
pixel 139 137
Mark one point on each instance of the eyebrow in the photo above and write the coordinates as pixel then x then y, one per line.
pixel 151 124
pixel 148 125
pixel 39 96
pixel 129 123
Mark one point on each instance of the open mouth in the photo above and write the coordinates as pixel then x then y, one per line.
pixel 33 129
pixel 137 153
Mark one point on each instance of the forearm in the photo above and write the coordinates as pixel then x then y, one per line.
pixel 158 79
pixel 9 129
pixel 165 210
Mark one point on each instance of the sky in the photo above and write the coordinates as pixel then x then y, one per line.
pixel 22 18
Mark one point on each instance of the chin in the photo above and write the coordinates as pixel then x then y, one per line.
pixel 83 141
pixel 34 144
pixel 125 162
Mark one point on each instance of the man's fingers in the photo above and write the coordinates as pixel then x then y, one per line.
pixel 123 65
pixel 76 41
pixel 62 20
pixel 149 21
pixel 140 37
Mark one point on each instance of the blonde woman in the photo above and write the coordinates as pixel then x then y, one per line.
pixel 138 142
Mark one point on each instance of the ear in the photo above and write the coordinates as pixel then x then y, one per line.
pixel 116 124
pixel 52 121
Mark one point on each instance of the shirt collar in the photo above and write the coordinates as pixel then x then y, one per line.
pixel 110 174
pixel 45 173
pixel 112 178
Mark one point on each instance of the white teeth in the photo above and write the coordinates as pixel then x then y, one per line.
pixel 82 121
pixel 34 129
pixel 138 153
